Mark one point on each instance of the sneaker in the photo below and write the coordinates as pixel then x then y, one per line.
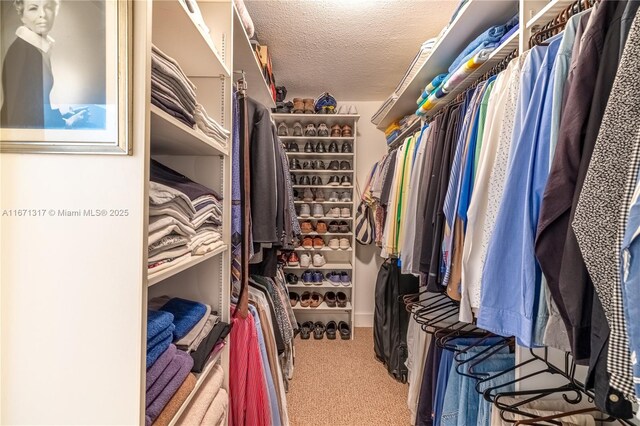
pixel 304 180
pixel 319 195
pixel 294 298
pixel 323 130
pixel 318 243
pixel 293 147
pixel 333 197
pixel 334 181
pixel 334 228
pixel 297 129
pixel 307 277
pixel 334 244
pixel 343 226
pixel 347 132
pixel 294 164
pixel 292 278
pixel 305 210
pixel 320 165
pixel 330 300
pixel 307 195
pixel 316 181
pixel 334 165
pixel 307 243
pixel 293 259
pixel 317 278
pixel 334 212
pixel 308 147
pixel 342 299
pixel 336 131
pixel 321 227
pixel 319 260
pixel 334 278
pixel 305 260
pixel 345 165
pixel 310 130
pixel 294 180
pixel 345 181
pixel 321 148
pixel 346 147
pixel 306 226
pixel 333 147
pixel 283 130
pixel 345 279
pixel 345 197
pixel 345 212
pixel 318 211
pixel 342 109
pixel 344 244
pixel 352 110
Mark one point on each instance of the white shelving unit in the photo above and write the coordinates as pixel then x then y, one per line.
pixel 337 259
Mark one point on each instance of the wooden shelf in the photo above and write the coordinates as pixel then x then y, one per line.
pixel 325 284
pixel 199 381
pixel 322 308
pixel 244 59
pixel 172 137
pixel 474 17
pixel 327 266
pixel 153 279
pixel 177 34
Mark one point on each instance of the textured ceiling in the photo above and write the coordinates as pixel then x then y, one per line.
pixel 355 49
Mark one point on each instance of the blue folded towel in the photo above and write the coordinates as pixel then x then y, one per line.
pixel 154 352
pixel 168 332
pixel 157 322
pixel 186 314
pixel 492 35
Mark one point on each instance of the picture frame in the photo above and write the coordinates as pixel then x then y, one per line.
pixel 84 106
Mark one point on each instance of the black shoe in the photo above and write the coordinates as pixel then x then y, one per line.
pixel 316 181
pixel 318 330
pixel 331 330
pixel 343 227
pixel 292 278
pixel 345 330
pixel 308 165
pixel 334 181
pixel 334 165
pixel 346 147
pixel 294 180
pixel 293 147
pixel 345 165
pixel 345 181
pixel 323 130
pixel 320 165
pixel 306 330
pixel 333 147
pixel 320 147
pixel 308 147
pixel 304 180
pixel 294 164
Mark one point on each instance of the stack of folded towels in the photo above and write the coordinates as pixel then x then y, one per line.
pixel 182 335
pixel 175 94
pixel 396 128
pixel 185 218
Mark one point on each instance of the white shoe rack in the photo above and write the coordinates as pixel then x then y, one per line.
pixel 338 260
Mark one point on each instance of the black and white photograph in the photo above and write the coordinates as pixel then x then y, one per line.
pixel 59 77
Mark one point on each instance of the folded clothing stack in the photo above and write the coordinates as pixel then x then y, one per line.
pixel 175 94
pixel 159 334
pixel 185 218
pixel 209 405
pixel 398 127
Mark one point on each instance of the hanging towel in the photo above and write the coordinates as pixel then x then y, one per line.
pixel 157 322
pixel 168 332
pixel 216 410
pixel 186 314
pixel 167 385
pixel 200 403
pixel 176 402
pixel 160 365
pixel 154 353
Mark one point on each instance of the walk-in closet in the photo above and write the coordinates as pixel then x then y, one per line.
pixel 319 212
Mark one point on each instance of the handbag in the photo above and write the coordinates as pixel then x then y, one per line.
pixel 364 227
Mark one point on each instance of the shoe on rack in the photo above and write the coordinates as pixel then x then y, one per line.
pixel 344 278
pixel 343 329
pixel 297 129
pixel 293 259
pixel 292 278
pixel 283 130
pixel 347 132
pixel 320 165
pixel 319 260
pixel 342 299
pixel 320 148
pixel 333 197
pixel 294 298
pixel 306 226
pixel 305 299
pixel 334 228
pixel 334 181
pixel 293 147
pixel 345 165
pixel 318 211
pixel 298 106
pixel 296 195
pixel 317 278
pixel 334 244
pixel 309 107
pixel 319 195
pixel 342 109
pixel 346 148
pixel 345 212
pixel 305 260
pixel 306 329
pixel 307 165
pixel 333 148
pixel 345 197
pixel 334 212
pixel 323 130
pixel 333 277
pixel 343 226
pixel 321 227
pixel 318 330
pixel 310 130
pixel 304 180
pixel 336 131
pixel 294 180
pixel 344 244
pixel 294 164
pixel 316 181
pixel 334 164
pixel 318 243
pixel 307 243
pixel 331 329
pixel 316 299
pixel 330 299
pixel 307 195
pixel 352 110
pixel 345 181
pixel 307 277
pixel 308 148
pixel 305 210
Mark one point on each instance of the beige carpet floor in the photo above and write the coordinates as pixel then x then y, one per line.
pixel 340 383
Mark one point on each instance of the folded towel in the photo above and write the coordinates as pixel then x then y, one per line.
pixel 202 354
pixel 208 326
pixel 202 400
pixel 433 85
pixel 157 322
pixel 491 35
pixel 176 401
pixel 168 332
pixel 160 365
pixel 167 385
pixel 217 408
pixel 186 314
pixel 154 352
pixel 195 331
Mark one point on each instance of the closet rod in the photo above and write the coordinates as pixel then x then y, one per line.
pixel 557 24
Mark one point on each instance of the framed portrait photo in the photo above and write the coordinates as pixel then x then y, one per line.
pixel 64 77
